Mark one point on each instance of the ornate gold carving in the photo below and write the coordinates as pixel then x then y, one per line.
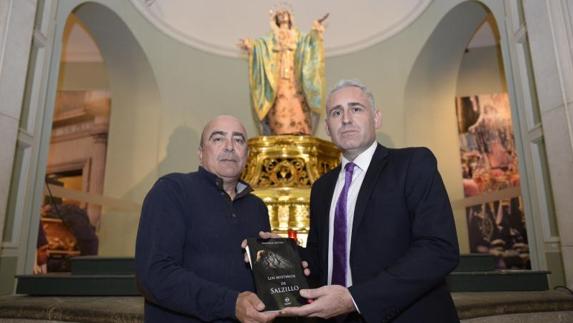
pixel 282 169
pixel 288 161
pixel 59 237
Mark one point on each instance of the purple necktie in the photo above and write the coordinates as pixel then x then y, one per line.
pixel 339 253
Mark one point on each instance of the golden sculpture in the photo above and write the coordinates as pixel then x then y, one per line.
pixel 286 75
pixel 282 169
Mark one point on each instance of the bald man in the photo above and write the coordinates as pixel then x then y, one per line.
pixel 188 257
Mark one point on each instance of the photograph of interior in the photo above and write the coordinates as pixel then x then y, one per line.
pixel 99 99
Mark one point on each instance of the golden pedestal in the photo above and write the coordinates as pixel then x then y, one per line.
pixel 281 170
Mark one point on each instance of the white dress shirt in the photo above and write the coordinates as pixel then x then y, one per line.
pixel 362 162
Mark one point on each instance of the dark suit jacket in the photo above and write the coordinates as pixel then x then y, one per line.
pixel 403 238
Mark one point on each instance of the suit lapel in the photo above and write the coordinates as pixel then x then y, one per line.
pixel 379 161
pixel 324 211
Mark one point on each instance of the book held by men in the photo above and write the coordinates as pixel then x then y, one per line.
pixel 277 270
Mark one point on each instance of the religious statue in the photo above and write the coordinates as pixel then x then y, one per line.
pixel 286 75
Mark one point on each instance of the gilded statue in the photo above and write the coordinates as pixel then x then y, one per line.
pixel 286 75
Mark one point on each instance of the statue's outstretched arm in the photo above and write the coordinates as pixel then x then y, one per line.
pixel 245 44
pixel 317 24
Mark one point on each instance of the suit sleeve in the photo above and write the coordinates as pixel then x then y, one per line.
pixel 159 257
pixel 433 251
pixel 311 252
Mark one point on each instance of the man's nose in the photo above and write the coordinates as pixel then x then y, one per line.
pixel 229 146
pixel 346 116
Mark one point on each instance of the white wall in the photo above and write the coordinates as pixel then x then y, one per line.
pixel 481 72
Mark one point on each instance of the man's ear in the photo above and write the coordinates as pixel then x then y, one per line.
pixel 200 155
pixel 377 119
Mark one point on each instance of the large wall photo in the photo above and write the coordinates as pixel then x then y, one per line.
pixel 496 221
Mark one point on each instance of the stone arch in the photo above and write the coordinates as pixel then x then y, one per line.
pixel 132 143
pixel 430 91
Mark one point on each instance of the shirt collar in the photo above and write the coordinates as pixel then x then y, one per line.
pixel 242 187
pixel 363 160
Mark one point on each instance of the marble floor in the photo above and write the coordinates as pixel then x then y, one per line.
pixel 483 307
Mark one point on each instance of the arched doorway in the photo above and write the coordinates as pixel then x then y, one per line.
pixel 447 69
pixel 77 153
pixel 128 89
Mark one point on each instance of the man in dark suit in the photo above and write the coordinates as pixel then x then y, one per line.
pixel 382 236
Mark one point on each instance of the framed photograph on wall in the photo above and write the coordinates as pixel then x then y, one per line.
pixel 490 169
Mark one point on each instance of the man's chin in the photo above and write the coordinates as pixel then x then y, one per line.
pixel 230 174
pixel 348 145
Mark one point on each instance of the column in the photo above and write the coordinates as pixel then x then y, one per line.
pixel 97 175
pixel 550 31
pixel 16 25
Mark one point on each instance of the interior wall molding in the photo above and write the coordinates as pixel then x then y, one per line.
pixel 216 26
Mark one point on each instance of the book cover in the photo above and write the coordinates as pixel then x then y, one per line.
pixel 277 270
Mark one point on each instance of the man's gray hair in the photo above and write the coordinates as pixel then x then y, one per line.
pixel 353 83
